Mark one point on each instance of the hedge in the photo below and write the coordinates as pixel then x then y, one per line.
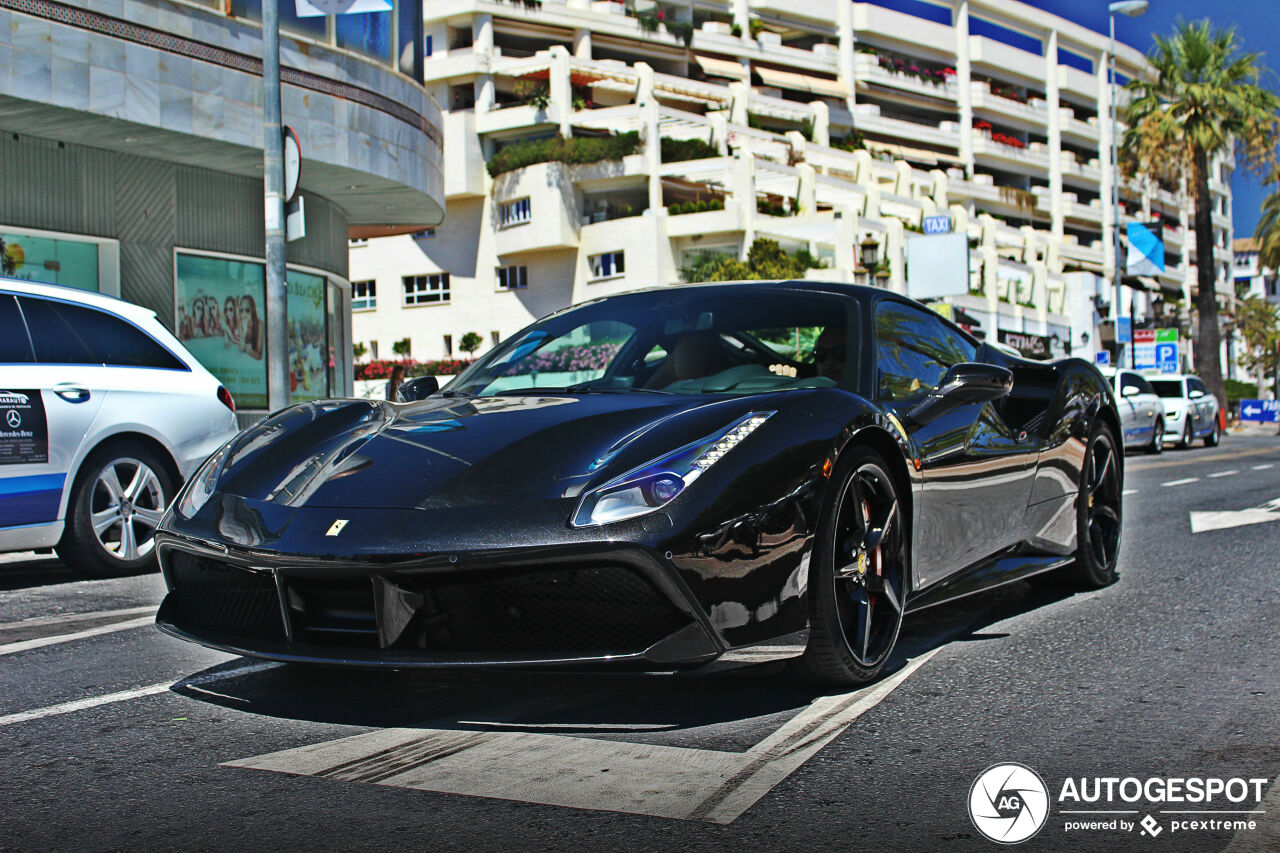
pixel 557 149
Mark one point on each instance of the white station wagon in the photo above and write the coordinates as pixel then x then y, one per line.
pixel 1190 411
pixel 103 415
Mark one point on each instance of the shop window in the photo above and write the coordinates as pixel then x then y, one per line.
pixel 367 33
pixel 221 321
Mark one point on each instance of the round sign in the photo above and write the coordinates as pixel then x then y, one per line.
pixel 292 163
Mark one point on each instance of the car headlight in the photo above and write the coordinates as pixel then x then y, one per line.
pixel 203 483
pixel 657 483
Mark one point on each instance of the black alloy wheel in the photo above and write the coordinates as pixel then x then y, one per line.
pixel 858 575
pixel 1157 439
pixel 1098 511
pixel 1214 436
pixel 1185 444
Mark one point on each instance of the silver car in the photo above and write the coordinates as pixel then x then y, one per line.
pixel 1141 411
pixel 103 415
pixel 1190 411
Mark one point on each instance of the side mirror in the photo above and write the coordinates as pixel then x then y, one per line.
pixel 969 382
pixel 1195 395
pixel 417 389
pixel 1129 391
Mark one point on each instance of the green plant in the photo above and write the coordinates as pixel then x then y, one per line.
pixel 402 347
pixel 682 30
pixel 647 21
pixel 756 27
pixel 534 92
pixel 675 150
pixel 853 141
pixel 578 149
pixel 806 129
pixel 579 102
pixel 736 30
pixel 359 350
pixel 470 342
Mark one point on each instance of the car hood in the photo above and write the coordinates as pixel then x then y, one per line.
pixel 463 452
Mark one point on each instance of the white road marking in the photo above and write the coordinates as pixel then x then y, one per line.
pixel 1266 838
pixel 1222 519
pixel 1224 473
pixel 1129 492
pixel 585 773
pixel 124 695
pixel 1182 482
pixel 77 617
pixel 38 642
pixel 1263 467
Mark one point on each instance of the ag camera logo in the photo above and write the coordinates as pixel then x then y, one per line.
pixel 1008 803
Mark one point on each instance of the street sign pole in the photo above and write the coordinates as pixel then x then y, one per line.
pixel 273 193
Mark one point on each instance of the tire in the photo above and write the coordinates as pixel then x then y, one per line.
pixel 1157 439
pixel 125 507
pixel 857 576
pixel 1187 435
pixel 1214 436
pixel 1098 512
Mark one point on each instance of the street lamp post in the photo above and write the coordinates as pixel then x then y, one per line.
pixel 1132 8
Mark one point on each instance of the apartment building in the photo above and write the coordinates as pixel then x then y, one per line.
pixel 1251 278
pixel 831 125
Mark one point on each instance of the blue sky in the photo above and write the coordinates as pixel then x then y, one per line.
pixel 1258 25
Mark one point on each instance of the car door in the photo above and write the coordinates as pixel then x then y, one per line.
pixel 1137 407
pixel 977 470
pixel 1203 404
pixel 47 407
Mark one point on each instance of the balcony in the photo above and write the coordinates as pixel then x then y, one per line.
pixel 706 222
pixel 1079 132
pixel 1089 213
pixel 1032 115
pixel 868 70
pixel 1032 160
pixel 552 223
pixel 1076 82
pixel 868 119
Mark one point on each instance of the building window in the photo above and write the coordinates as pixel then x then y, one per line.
pixel 364 295
pixel 1269 284
pixel 448 345
pixel 513 278
pixel 495 337
pixel 514 212
pixel 426 289
pixel 607 264
pixel 357 242
pixel 373 350
pixel 426 45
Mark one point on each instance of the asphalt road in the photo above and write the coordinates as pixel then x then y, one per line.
pixel 113 736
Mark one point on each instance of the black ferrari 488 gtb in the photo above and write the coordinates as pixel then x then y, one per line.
pixel 656 479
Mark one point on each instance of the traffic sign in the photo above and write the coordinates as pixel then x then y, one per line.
pixel 1102 359
pixel 1166 357
pixel 1263 411
pixel 1124 330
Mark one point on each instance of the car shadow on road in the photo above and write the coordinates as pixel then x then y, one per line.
pixel 26 571
pixel 582 703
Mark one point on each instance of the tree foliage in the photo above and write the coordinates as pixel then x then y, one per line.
pixel 766 260
pixel 1259 324
pixel 1202 98
pixel 577 149
pixel 470 342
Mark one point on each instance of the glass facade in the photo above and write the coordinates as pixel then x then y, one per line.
pixel 50 260
pixel 221 320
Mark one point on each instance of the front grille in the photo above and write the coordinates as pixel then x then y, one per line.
pixel 211 595
pixel 584 611
pixel 597 610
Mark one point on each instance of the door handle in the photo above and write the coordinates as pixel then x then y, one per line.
pixel 71 392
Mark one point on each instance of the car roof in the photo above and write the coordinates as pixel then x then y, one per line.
pixel 75 294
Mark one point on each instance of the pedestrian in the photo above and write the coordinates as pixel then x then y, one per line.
pixel 396 380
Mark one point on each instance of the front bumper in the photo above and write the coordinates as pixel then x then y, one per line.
pixel 540 607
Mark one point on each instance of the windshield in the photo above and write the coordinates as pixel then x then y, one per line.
pixel 1167 387
pixel 722 340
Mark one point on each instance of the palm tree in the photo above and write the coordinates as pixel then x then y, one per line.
pixel 1268 231
pixel 1202 98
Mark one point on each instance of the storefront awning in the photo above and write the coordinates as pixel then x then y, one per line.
pixel 802 82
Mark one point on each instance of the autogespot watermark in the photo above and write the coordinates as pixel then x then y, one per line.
pixel 1009 803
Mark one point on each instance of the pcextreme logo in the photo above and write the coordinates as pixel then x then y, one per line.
pixel 1009 803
